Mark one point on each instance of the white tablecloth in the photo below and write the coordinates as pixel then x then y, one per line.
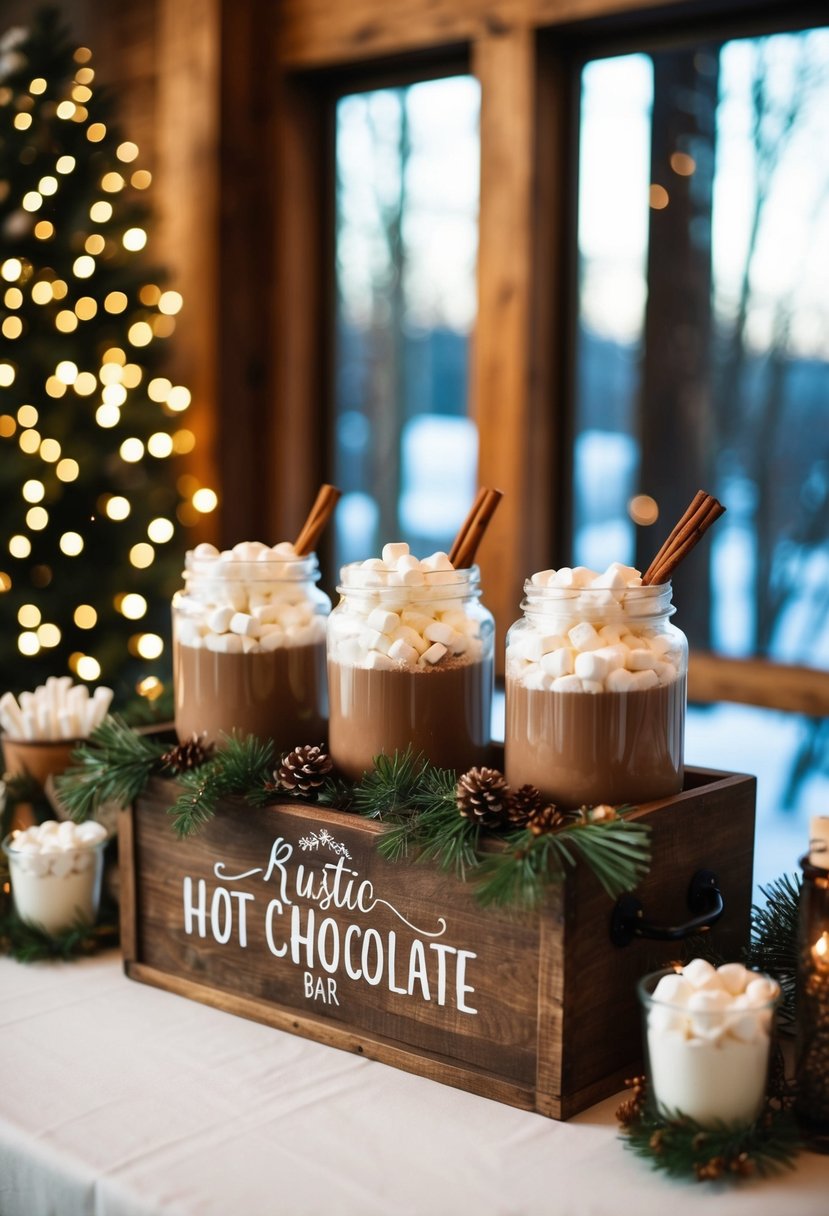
pixel 118 1099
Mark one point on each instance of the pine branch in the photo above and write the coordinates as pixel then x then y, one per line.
pixel 113 765
pixel 28 944
pixel 389 791
pixel 681 1148
pixel 773 945
pixel 241 768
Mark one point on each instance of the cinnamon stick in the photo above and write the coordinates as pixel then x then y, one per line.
pixel 318 517
pixel 690 530
pixel 475 534
pixel 457 544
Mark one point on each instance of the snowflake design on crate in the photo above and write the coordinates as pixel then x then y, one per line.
pixel 323 839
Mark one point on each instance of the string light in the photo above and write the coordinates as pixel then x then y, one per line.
pixel 88 668
pixel 134 239
pixel 114 394
pixel 94 243
pixel 131 450
pixel 170 303
pixel 48 635
pixel 66 321
pixel 115 302
pixel 148 645
pixel 100 212
pixel 22 121
pixel 86 384
pixel 28 644
pixel 44 229
pixel 84 266
pixel 132 606
pixel 7 375
pixel 107 416
pixel 65 164
pixel 29 442
pixel 50 450
pixel 132 375
pixel 160 530
pixel 59 289
pixel 112 183
pixel 71 543
pixel 118 507
pixel 142 555
pixel 37 86
pixel 20 546
pixel 42 292
pixel 96 131
pixel 205 500
pixel 150 687
pixel 127 151
pixel 28 615
pixel 13 297
pixel 12 328
pixel 86 308
pixel 183 442
pixel 32 200
pixel 85 616
pixel 33 491
pixel 5 581
pixel 48 185
pixel 159 389
pixel 54 387
pixel 66 110
pixel 7 426
pixel 178 399
pixel 68 470
pixel 160 445
pixel 141 179
pixel 67 371
pixel 140 334
pixel 11 270
pixel 37 519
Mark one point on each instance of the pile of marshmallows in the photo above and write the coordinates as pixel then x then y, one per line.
pixel 55 848
pixel 55 710
pixel 713 1003
pixel 572 655
pixel 421 626
pixel 238 609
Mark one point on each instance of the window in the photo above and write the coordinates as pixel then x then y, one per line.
pixel 703 360
pixel 406 243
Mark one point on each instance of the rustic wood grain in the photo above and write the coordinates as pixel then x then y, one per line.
pixel 127 893
pixel 557 1022
pixel 803 690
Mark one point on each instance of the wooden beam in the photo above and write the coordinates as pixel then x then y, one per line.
pixel 505 66
pixel 802 690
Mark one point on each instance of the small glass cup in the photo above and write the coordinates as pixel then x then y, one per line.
pixel 56 889
pixel 711 1066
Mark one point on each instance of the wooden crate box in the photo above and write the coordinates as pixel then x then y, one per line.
pixel 289 915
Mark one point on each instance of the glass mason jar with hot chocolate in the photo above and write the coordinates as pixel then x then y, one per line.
pixel 249 645
pixel 410 663
pixel 596 689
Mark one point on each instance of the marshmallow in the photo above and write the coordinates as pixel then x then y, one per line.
pixel 673 989
pixel 438 631
pixel 437 561
pixel 434 654
pixel 584 637
pixel 557 662
pixel 733 977
pixel 403 652
pixel 383 621
pixel 243 624
pixel 697 971
pixel 590 665
pixel 393 551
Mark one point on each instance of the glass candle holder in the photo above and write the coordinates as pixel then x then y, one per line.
pixel 56 872
pixel 707 1047
pixel 812 1050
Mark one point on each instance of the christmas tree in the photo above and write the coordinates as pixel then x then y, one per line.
pixel 90 514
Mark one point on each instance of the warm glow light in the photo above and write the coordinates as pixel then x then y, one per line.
pixel 683 164
pixel 140 334
pixel 54 387
pixel 100 212
pixel 59 289
pixel 66 321
pixel 170 303
pixel 85 616
pixel 27 415
pixel 142 555
pixel 163 326
pixel 44 229
pixel 5 581
pixel 149 645
pixel 29 442
pixel 160 444
pixel 66 109
pixel 141 179
pixel 37 518
pixel 38 85
pixel 11 270
pixel 118 507
pixel 183 442
pixel 13 297
pixel 132 375
pixel 114 394
pixel 160 530
pixel 42 292
pixel 27 643
pixel 22 121
pixel 658 197
pixel 67 371
pixel 159 389
pixel 86 308
pixel 81 93
pixel 32 201
pixel 88 668
pixel 132 606
pixel 94 243
pixel 12 328
pixel 178 399
pixel 6 375
pixel 116 301
pixel 20 546
pixel 71 543
pixel 149 294
pixel 150 687
pixel 65 164
pixel 86 384
pixel 68 470
pixel 114 355
pixel 96 131
pixel 7 426
pixel 50 451
pixel 110 373
pixel 28 616
pixel 107 416
pixel 643 510
pixel 84 266
pixel 131 450
pixel 205 500
pixel 127 151
pixel 48 185
pixel 33 491
pixel 111 182
pixel 134 239
pixel 48 635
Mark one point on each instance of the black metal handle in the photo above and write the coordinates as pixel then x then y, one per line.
pixel 705 901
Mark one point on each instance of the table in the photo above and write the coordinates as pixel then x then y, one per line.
pixel 118 1099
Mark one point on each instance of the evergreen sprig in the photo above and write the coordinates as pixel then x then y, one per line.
pixel 616 850
pixel 390 790
pixel 773 945
pixel 240 768
pixel 682 1148
pixel 114 764
pixel 28 944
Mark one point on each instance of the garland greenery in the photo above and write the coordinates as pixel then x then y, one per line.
pixel 240 769
pixel 682 1148
pixel 773 945
pixel 28 944
pixel 115 765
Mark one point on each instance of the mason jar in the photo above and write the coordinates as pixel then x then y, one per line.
pixel 596 684
pixel 249 646
pixel 410 666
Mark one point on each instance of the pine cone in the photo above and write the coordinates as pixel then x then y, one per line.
pixel 602 813
pixel 190 754
pixel 482 795
pixel 523 803
pixel 551 819
pixel 303 771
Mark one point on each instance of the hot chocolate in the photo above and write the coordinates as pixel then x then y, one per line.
pixel 441 712
pixel 249 646
pixel 409 663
